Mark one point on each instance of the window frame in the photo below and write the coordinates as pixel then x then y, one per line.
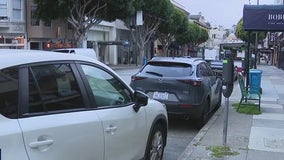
pixel 4 8
pixel 16 10
pixel 34 20
pixel 210 72
pixel 90 92
pixel 18 92
pixel 24 89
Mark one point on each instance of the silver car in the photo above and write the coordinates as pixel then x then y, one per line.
pixel 187 86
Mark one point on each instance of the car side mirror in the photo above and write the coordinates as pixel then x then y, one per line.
pixel 140 99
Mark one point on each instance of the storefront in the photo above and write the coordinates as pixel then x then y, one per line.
pixel 12 41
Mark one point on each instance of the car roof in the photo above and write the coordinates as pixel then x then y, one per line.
pixel 188 60
pixel 14 57
pixel 73 49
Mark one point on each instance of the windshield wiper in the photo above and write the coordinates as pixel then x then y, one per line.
pixel 154 73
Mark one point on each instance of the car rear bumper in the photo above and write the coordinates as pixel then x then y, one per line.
pixel 184 111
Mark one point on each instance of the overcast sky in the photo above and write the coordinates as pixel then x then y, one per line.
pixel 220 12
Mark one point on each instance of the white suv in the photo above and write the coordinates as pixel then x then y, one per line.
pixel 89 52
pixel 54 107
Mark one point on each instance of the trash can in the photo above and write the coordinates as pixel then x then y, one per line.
pixel 255 81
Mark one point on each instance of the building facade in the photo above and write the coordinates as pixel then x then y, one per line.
pixel 113 42
pixel 12 24
pixel 43 35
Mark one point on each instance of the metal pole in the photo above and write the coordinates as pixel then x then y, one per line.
pixel 247 61
pixel 256 46
pixel 137 50
pixel 256 50
pixel 225 128
pixel 128 55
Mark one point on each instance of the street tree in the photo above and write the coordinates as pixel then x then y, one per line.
pixel 194 36
pixel 244 35
pixel 177 24
pixel 154 12
pixel 83 14
pixel 203 36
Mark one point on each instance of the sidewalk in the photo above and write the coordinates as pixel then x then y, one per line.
pixel 254 137
pixel 124 66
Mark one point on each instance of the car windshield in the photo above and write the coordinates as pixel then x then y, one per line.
pixel 168 69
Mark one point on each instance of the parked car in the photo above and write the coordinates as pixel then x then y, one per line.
pixel 89 52
pixel 187 86
pixel 217 67
pixel 54 106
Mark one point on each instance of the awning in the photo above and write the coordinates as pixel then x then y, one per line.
pixel 263 17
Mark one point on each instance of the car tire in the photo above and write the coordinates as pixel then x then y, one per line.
pixel 156 144
pixel 219 102
pixel 202 120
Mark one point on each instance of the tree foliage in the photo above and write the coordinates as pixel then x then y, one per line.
pixel 177 24
pixel 244 35
pixel 83 14
pixel 190 36
pixel 194 36
pixel 203 36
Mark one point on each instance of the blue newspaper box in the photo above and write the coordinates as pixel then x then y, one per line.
pixel 255 80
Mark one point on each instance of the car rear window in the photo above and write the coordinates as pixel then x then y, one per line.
pixel 168 69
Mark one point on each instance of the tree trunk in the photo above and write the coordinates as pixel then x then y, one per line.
pixel 142 55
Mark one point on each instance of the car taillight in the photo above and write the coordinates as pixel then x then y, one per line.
pixel 191 82
pixel 136 78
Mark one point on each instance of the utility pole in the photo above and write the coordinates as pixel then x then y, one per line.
pixel 256 59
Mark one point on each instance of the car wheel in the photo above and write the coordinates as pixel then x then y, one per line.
pixel 156 144
pixel 205 114
pixel 219 102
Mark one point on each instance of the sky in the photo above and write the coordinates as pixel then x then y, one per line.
pixel 220 12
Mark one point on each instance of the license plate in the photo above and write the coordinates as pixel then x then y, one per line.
pixel 161 95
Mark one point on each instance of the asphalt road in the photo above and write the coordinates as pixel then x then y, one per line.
pixel 180 133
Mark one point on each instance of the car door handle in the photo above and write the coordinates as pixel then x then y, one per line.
pixel 111 129
pixel 41 143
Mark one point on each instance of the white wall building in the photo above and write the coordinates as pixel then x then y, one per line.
pixel 217 35
pixel 12 24
pixel 113 42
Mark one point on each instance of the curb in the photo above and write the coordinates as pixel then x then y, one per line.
pixel 123 67
pixel 189 149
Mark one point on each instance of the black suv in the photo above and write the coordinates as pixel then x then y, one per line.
pixel 187 86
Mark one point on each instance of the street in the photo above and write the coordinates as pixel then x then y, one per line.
pixel 180 132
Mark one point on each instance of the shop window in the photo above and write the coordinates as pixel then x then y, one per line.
pixel 35 45
pixel 69 26
pixel 9 40
pixel 47 23
pixel 2 40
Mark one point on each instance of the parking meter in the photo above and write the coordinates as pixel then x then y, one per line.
pixel 228 84
pixel 228 76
